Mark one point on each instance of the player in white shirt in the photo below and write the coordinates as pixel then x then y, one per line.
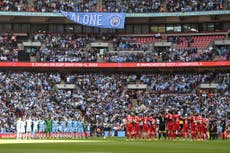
pixel 28 127
pixel 18 128
pixel 22 128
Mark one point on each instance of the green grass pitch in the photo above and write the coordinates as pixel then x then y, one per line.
pixel 112 145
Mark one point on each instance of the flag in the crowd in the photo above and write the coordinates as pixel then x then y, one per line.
pixel 100 20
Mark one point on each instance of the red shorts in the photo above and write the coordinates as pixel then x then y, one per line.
pixel 193 132
pixel 199 127
pixel 129 128
pixel 193 127
pixel 176 126
pixel 204 129
pixel 170 126
pixel 145 128
pixel 137 128
pixel 185 128
pixel 152 129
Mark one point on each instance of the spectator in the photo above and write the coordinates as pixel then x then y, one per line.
pixel 33 94
pixel 136 6
pixel 14 5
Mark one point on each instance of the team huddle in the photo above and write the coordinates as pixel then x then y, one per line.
pixel 171 125
pixel 51 128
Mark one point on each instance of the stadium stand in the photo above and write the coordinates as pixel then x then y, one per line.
pixel 105 98
pixel 65 48
pixel 36 94
pixel 186 6
pixel 74 48
pixel 57 5
pixel 136 6
pixel 14 5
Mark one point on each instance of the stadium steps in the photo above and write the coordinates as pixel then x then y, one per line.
pixel 134 103
pixel 33 59
pixel 194 91
pixel 88 46
pixel 20 46
pixel 163 2
pixel 110 47
pixel 99 5
pixel 30 4
pixel 216 58
pixel 150 47
pixel 78 110
pixel 99 59
pixel 225 5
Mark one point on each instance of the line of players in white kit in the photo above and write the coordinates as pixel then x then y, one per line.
pixel 47 128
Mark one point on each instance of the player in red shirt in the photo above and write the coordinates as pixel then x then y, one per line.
pixel 152 127
pixel 199 127
pixel 169 118
pixel 136 126
pixel 129 126
pixel 176 124
pixel 145 126
pixel 193 127
pixel 185 128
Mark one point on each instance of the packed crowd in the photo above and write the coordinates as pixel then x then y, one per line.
pixel 8 49
pixel 71 6
pixel 222 52
pixel 228 4
pixel 28 94
pixel 75 48
pixel 176 84
pixel 48 6
pixel 14 5
pixel 188 5
pixel 136 6
pixel 64 48
pixel 169 55
pixel 192 54
pixel 157 6
pixel 223 81
pixel 125 43
pixel 54 48
pixel 129 57
pixel 35 94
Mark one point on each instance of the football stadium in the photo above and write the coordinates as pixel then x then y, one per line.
pixel 114 76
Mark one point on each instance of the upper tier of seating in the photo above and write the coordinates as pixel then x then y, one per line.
pixel 136 6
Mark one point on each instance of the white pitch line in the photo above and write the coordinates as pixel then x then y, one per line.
pixel 2 141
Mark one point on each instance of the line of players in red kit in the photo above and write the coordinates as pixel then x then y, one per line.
pixel 169 124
